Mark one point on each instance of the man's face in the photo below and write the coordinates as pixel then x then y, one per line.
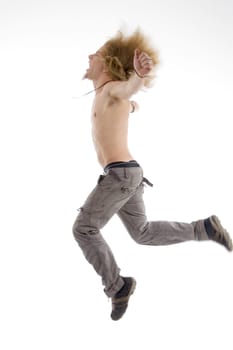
pixel 96 65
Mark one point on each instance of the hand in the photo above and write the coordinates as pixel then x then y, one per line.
pixel 143 64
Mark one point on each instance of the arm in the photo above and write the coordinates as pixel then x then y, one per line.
pixel 142 66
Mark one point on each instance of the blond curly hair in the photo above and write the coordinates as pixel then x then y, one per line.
pixel 119 53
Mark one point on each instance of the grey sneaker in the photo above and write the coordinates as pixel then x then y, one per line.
pixel 217 233
pixel 121 299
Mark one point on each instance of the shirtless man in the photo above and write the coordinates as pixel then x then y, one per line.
pixel 120 190
pixel 111 108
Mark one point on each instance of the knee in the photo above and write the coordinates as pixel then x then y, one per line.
pixel 79 230
pixel 82 229
pixel 140 235
pixel 140 240
pixel 76 230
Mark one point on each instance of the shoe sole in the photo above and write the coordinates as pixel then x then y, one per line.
pixel 217 226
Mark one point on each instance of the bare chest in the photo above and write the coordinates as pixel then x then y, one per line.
pixel 100 108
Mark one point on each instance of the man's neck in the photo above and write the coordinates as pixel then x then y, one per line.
pixel 101 80
pixel 99 85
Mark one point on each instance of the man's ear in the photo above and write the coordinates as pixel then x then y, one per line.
pixel 105 68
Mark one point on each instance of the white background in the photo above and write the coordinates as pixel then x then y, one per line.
pixel 50 297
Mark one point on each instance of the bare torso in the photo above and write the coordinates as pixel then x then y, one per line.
pixel 110 128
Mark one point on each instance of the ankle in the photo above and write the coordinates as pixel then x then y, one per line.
pixel 200 233
pixel 209 228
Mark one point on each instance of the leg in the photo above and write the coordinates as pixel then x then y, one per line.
pixel 110 194
pixel 134 218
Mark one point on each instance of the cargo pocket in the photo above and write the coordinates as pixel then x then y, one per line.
pixel 105 182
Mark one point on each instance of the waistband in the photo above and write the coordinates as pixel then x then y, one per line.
pixel 130 164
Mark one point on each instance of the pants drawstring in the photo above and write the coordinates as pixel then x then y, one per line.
pixel 147 182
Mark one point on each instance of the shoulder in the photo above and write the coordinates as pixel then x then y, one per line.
pixel 112 85
pixel 110 90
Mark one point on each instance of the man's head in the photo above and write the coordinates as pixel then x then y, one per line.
pixel 96 65
pixel 115 57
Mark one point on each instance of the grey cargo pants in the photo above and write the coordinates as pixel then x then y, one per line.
pixel 120 191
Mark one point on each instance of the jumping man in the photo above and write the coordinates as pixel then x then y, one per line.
pixel 119 69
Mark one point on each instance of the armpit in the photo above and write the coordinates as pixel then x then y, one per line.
pixel 112 100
